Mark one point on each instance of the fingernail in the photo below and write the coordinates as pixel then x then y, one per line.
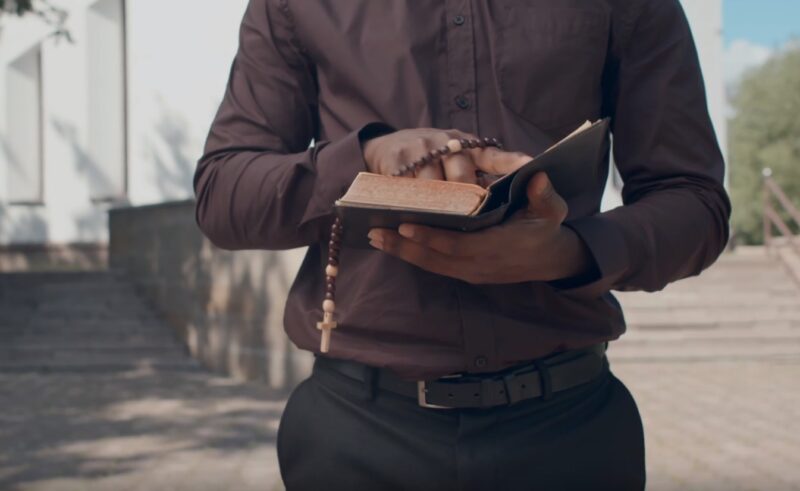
pixel 377 244
pixel 374 235
pixel 542 185
pixel 406 231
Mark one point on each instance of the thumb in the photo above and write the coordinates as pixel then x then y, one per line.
pixel 499 162
pixel 543 200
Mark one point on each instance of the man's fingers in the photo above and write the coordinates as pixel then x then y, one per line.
pixel 450 242
pixel 543 200
pixel 494 161
pixel 432 170
pixel 392 243
pixel 459 167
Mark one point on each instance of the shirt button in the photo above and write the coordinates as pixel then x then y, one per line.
pixel 462 102
pixel 481 361
pixel 459 20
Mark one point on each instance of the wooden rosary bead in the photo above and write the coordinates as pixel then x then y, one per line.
pixel 331 270
pixel 329 306
pixel 454 145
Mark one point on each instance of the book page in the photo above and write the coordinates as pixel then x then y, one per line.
pixel 379 191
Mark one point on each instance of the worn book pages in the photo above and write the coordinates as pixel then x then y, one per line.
pixel 388 192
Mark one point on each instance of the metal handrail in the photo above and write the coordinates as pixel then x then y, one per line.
pixel 772 218
pixel 771 193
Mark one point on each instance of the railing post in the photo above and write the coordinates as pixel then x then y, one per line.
pixel 766 174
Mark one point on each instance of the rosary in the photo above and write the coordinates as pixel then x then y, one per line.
pixel 327 324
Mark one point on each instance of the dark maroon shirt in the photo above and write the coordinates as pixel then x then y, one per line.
pixel 336 72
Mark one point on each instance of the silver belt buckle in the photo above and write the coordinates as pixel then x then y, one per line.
pixel 422 391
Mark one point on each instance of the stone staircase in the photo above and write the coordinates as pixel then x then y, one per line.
pixel 73 321
pixel 746 305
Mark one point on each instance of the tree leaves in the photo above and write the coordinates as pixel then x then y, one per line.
pixel 765 133
pixel 18 7
pixel 52 15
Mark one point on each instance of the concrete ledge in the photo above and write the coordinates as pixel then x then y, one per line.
pixel 226 306
pixel 83 256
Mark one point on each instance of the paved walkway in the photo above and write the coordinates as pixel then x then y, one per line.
pixel 719 426
pixel 714 419
pixel 137 430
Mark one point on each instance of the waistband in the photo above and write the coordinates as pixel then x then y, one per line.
pixel 538 378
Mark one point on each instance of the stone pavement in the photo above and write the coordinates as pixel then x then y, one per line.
pixel 136 431
pixel 718 426
pixel 726 426
pixel 713 363
pixel 96 393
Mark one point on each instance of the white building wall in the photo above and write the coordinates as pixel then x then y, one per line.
pixel 705 18
pixel 65 215
pixel 178 58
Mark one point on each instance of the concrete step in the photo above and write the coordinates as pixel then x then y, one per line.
pixel 778 285
pixel 713 324
pixel 94 315
pixel 100 364
pixel 93 339
pixel 681 297
pixel 683 350
pixel 56 351
pixel 743 333
pixel 703 316
pixel 738 272
pixel 82 321
pixel 77 329
pixel 100 324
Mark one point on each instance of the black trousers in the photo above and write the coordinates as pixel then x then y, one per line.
pixel 334 435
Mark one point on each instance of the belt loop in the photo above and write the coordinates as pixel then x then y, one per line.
pixel 513 392
pixel 544 378
pixel 370 382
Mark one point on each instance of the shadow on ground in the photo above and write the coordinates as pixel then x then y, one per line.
pixel 136 430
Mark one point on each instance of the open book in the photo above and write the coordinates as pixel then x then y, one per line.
pixel 374 200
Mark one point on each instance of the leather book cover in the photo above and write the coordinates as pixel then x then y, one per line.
pixel 574 166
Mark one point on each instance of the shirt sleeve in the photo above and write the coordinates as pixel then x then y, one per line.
pixel 674 218
pixel 258 184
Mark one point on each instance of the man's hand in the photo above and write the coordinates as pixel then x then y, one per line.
pixel 385 154
pixel 532 245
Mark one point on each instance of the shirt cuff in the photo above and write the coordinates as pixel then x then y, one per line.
pixel 609 257
pixel 337 163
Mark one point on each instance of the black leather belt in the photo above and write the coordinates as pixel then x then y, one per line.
pixel 539 378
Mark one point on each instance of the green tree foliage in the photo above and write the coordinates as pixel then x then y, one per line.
pixel 54 16
pixel 18 7
pixel 765 133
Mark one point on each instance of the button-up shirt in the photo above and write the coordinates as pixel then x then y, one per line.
pixel 336 72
